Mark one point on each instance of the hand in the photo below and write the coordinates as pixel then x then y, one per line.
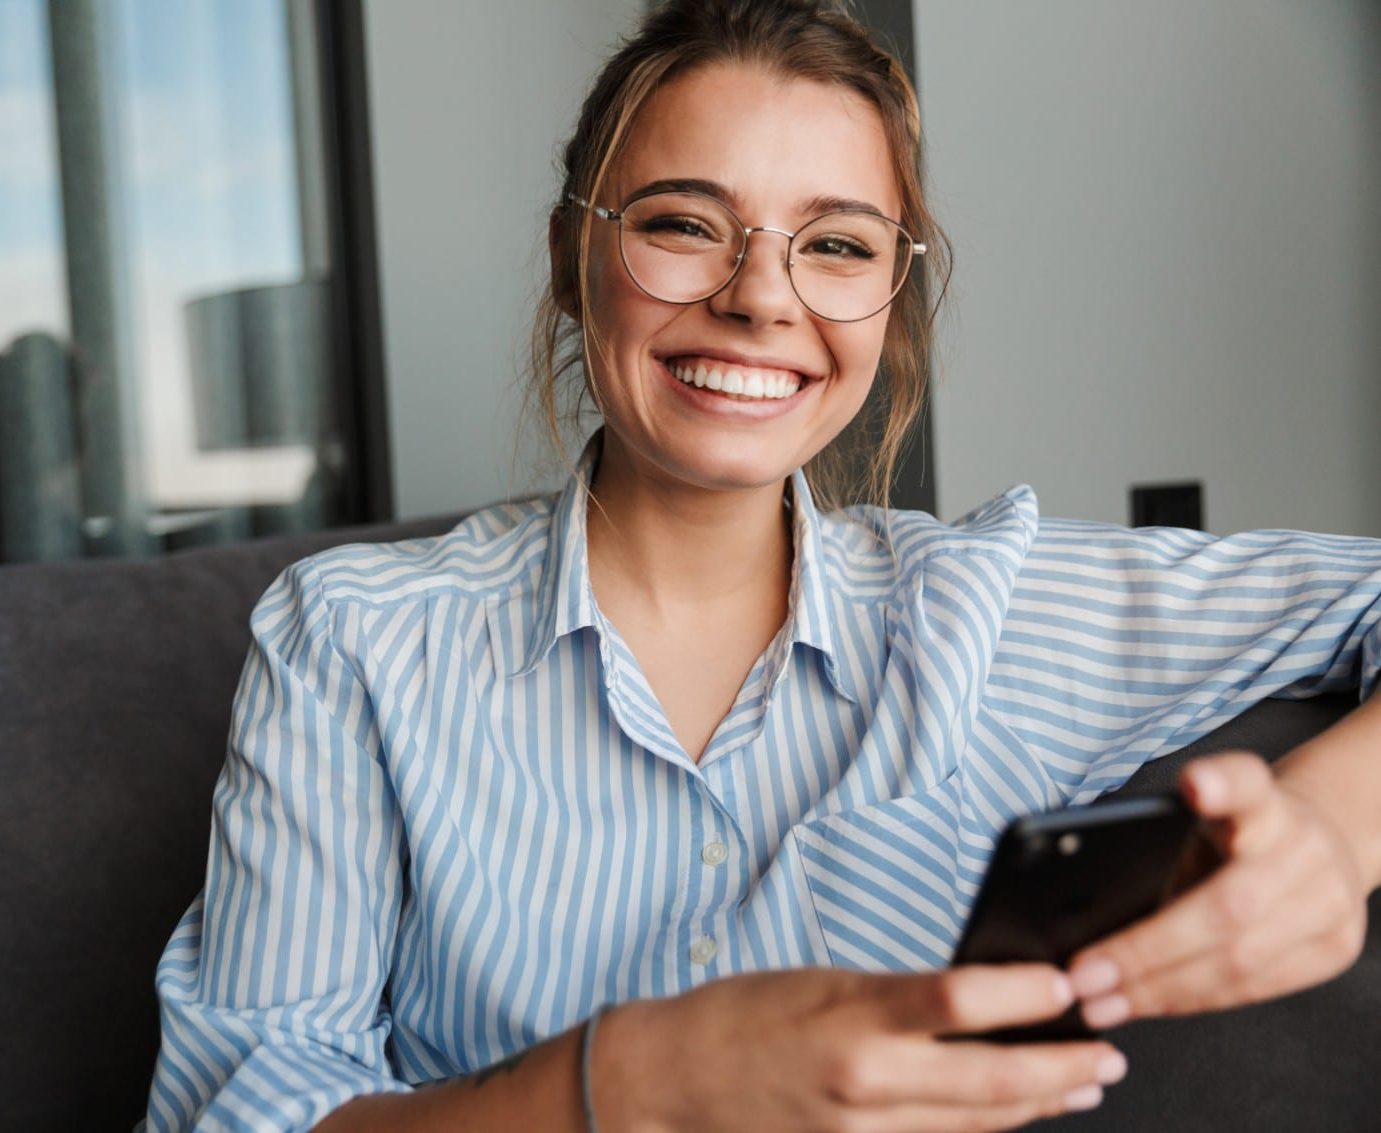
pixel 1285 910
pixel 826 1050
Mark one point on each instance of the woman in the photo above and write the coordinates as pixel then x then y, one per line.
pixel 689 741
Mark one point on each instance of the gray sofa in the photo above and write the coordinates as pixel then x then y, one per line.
pixel 115 688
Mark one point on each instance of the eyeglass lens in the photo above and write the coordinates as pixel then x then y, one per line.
pixel 684 247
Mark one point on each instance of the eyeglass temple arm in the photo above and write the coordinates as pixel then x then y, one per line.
pixel 602 213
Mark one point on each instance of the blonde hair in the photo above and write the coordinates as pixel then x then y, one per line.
pixel 808 39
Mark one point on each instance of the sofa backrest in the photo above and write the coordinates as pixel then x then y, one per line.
pixel 116 680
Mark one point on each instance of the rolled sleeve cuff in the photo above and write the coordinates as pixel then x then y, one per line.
pixel 279 1089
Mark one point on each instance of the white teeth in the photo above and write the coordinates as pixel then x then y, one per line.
pixel 754 386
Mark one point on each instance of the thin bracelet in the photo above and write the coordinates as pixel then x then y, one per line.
pixel 587 1047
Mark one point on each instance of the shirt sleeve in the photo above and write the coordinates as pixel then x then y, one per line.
pixel 271 989
pixel 1121 645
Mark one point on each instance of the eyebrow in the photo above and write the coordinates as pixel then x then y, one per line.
pixel 815 206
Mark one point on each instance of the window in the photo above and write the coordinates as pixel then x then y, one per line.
pixel 173 367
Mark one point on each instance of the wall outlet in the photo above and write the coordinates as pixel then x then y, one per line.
pixel 1168 505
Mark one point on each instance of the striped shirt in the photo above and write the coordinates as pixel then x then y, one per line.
pixel 453 818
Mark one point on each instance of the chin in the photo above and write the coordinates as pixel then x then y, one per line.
pixel 734 473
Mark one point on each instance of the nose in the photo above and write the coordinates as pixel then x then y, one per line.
pixel 761 289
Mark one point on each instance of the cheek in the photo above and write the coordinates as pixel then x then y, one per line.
pixel 617 307
pixel 857 348
pixel 625 318
pixel 622 320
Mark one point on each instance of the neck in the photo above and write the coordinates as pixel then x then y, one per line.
pixel 678 546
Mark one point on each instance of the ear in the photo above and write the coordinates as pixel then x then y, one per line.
pixel 563 287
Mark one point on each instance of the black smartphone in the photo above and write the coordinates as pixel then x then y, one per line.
pixel 1062 880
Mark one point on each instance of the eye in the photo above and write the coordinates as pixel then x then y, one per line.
pixel 687 226
pixel 838 246
pixel 679 222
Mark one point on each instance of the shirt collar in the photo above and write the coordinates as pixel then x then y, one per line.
pixel 565 598
pixel 810 620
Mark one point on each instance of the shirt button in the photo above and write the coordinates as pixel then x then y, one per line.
pixel 703 950
pixel 714 854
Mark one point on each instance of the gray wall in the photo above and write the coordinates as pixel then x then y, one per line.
pixel 1167 218
pixel 468 101
pixel 1168 228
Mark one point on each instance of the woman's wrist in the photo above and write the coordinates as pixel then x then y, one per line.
pixel 627 1084
pixel 1339 771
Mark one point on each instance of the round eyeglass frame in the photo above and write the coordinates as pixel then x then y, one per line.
pixel 914 248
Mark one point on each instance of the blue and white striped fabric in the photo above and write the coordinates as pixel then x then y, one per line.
pixel 454 820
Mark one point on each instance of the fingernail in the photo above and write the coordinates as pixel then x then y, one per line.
pixel 1085 1097
pixel 1208 787
pixel 1111 1068
pixel 1108 1011
pixel 1064 990
pixel 1095 977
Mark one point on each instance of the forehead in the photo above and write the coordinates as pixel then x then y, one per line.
pixel 775 143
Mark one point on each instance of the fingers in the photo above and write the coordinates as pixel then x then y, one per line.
pixel 1236 792
pixel 976 998
pixel 972 1073
pixel 1317 936
pixel 1255 969
pixel 1222 907
pixel 912 1081
pixel 1279 915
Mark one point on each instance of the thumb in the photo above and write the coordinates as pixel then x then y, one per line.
pixel 1238 790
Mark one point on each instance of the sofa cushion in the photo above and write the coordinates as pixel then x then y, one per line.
pixel 116 681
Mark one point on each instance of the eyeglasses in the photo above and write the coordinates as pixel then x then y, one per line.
pixel 685 247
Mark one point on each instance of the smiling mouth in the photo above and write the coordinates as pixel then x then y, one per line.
pixel 746 383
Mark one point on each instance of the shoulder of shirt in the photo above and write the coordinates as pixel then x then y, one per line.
pixel 496 550
pixel 868 548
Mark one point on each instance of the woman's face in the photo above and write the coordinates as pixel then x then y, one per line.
pixel 777 151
